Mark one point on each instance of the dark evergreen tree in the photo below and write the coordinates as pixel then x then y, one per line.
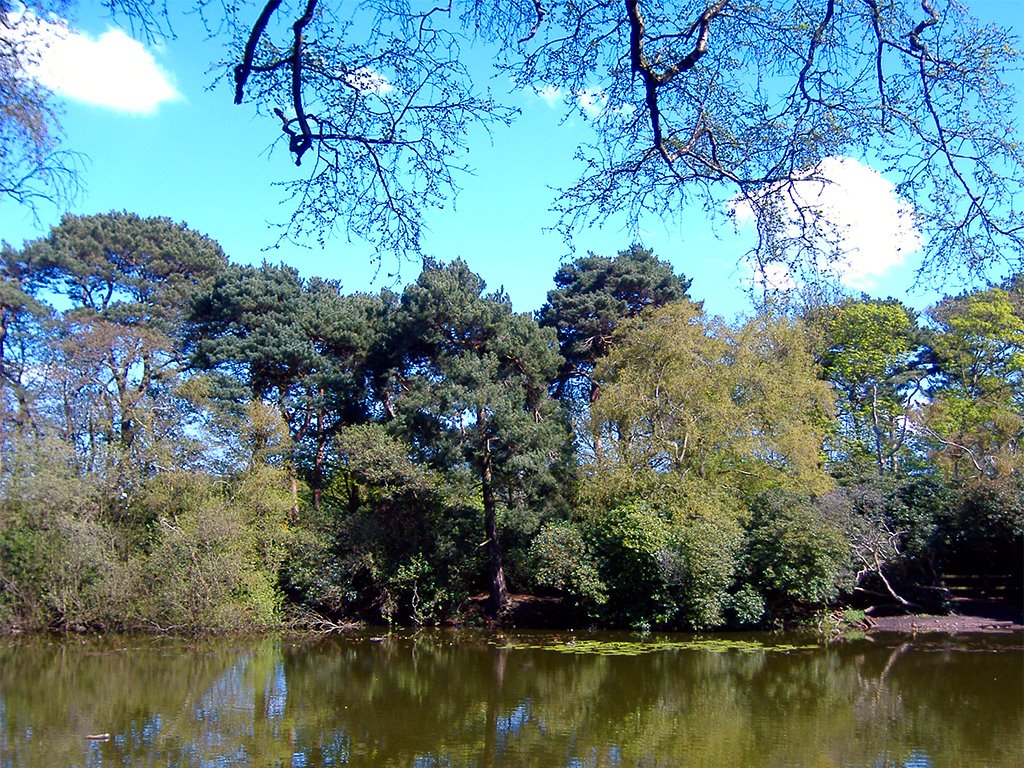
pixel 301 346
pixel 471 397
pixel 592 296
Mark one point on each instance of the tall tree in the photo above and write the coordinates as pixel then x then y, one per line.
pixel 22 342
pixel 126 282
pixel 298 345
pixel 472 396
pixel 872 354
pixel 976 416
pixel 592 296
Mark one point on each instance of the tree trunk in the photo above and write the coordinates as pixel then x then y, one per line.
pixel 499 590
pixel 293 477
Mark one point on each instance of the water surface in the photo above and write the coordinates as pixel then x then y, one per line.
pixel 475 699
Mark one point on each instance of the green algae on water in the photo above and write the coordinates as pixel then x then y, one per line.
pixel 640 647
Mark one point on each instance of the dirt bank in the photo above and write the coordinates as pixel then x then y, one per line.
pixel 968 616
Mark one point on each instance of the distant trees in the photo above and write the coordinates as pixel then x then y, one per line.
pixel 696 419
pixel 189 444
pixel 592 297
pixel 298 346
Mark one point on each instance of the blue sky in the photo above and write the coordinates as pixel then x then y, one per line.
pixel 175 145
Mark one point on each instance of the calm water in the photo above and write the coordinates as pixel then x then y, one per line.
pixel 469 699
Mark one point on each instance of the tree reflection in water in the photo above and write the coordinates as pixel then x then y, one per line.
pixel 458 699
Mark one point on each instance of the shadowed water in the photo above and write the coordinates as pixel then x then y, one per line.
pixel 473 699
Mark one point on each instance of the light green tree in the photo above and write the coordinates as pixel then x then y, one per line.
pixel 685 394
pixel 976 415
pixel 872 355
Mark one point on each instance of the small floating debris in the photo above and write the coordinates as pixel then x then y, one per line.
pixel 98 737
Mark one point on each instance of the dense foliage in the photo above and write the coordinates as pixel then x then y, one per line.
pixel 192 444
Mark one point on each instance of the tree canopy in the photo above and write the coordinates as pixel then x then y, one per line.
pixel 191 443
pixel 710 103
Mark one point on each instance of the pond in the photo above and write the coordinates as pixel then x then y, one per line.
pixel 466 698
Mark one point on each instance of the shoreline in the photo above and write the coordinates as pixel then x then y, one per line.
pixel 953 624
pixel 968 617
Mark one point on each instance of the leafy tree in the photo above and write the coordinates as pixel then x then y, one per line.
pixel 976 417
pixel 872 355
pixel 471 397
pixel 696 417
pixel 684 394
pixel 125 267
pixel 127 282
pixel 592 297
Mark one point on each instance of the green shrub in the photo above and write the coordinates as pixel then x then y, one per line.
pixel 794 556
pixel 216 552
pixel 668 561
pixel 562 562
pixel 988 533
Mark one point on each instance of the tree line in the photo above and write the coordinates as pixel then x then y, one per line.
pixel 189 443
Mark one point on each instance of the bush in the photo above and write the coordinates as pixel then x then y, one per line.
pixel 61 565
pixel 794 557
pixel 216 552
pixel 668 561
pixel 988 537
pixel 391 542
pixel 562 562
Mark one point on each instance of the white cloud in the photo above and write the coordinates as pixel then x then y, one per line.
pixel 864 221
pixel 551 94
pixel 366 80
pixel 592 100
pixel 111 70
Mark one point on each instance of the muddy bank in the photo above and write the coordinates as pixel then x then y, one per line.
pixel 968 616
